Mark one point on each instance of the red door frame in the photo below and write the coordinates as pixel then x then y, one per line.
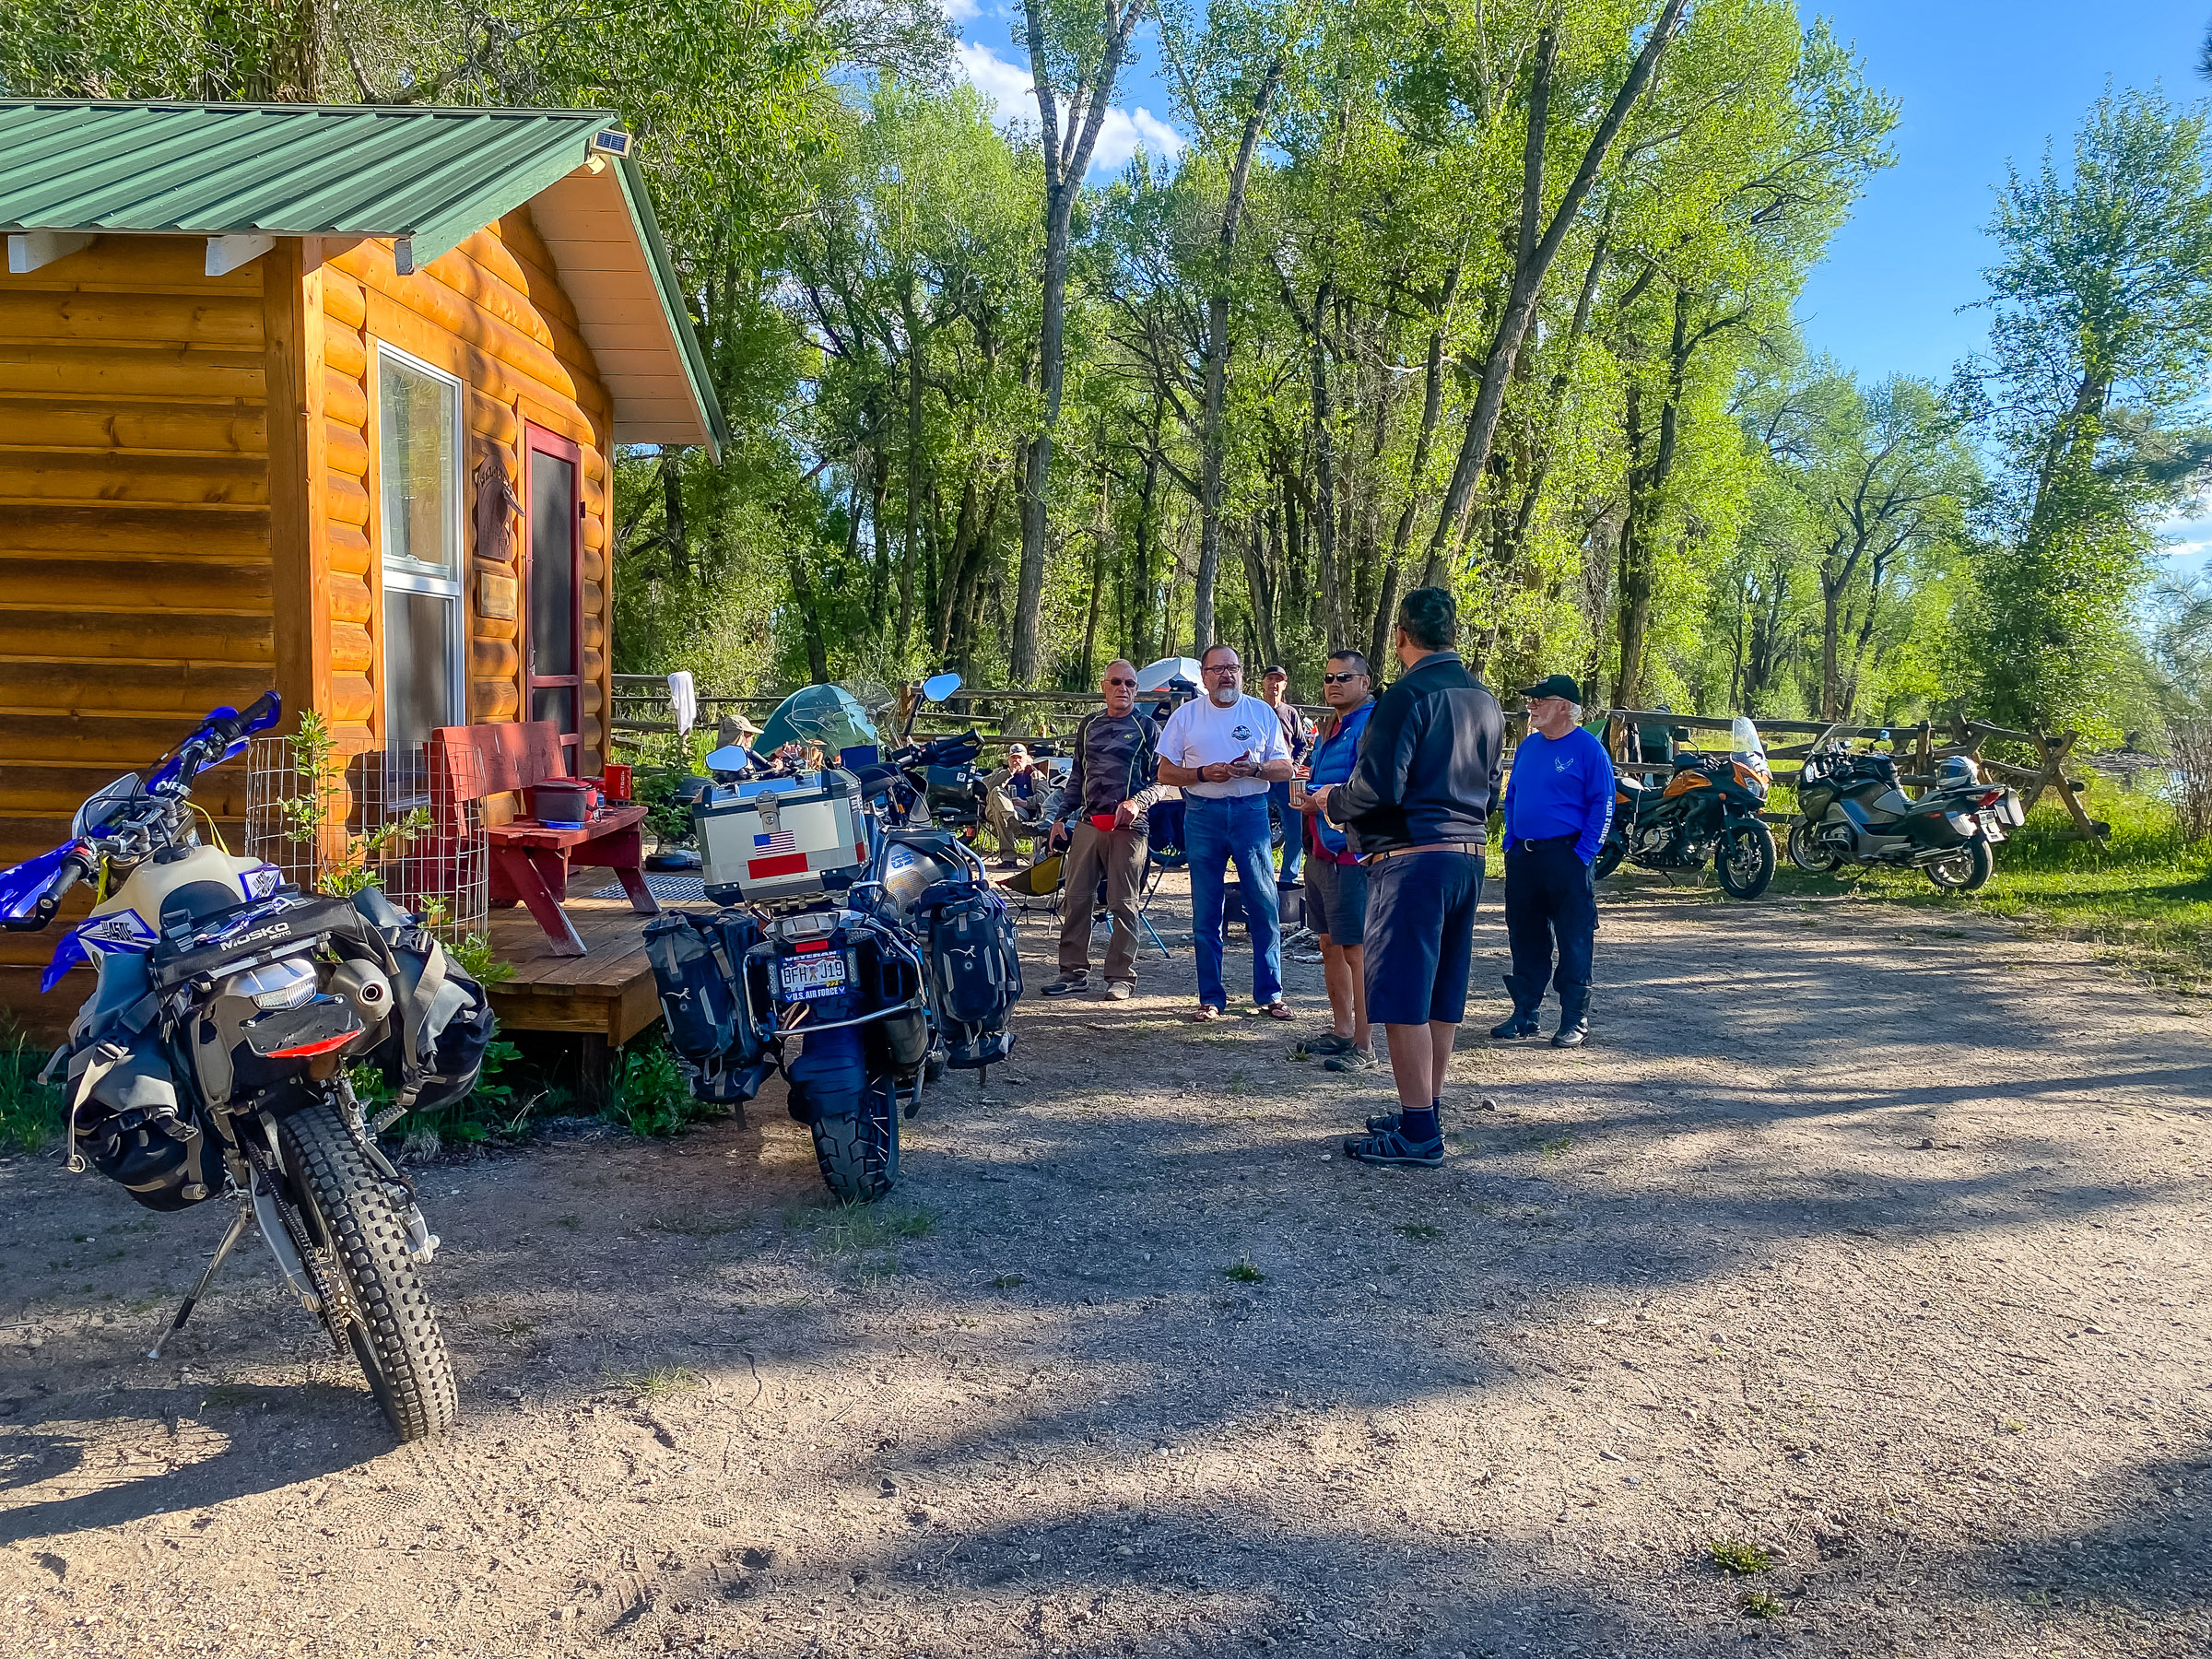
pixel 538 440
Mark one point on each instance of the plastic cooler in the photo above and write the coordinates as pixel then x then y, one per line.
pixel 772 839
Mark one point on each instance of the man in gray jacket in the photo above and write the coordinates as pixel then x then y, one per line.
pixel 1101 815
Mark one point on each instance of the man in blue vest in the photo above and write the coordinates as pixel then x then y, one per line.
pixel 1335 879
pixel 1558 802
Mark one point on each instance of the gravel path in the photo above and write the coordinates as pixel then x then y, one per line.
pixel 1873 1241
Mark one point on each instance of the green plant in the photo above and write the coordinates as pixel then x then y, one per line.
pixel 648 1093
pixel 1421 1230
pixel 1759 1604
pixel 31 1112
pixel 658 1381
pixel 1735 1555
pixel 665 761
pixel 1007 1281
pixel 849 1228
pixel 316 815
pixel 1244 1272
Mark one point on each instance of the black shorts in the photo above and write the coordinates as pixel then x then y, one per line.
pixel 1421 936
pixel 1336 901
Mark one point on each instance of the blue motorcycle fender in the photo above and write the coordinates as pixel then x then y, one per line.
pixel 828 1077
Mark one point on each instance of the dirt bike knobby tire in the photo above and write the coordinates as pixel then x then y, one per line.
pixel 396 1340
pixel 858 1150
pixel 1608 860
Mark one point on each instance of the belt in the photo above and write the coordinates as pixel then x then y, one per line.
pixel 1543 843
pixel 1472 849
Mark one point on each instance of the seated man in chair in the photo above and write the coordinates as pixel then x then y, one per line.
pixel 1015 801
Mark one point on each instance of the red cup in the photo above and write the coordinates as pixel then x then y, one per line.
pixel 617 783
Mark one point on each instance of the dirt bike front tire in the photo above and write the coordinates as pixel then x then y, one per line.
pixel 349 1213
pixel 858 1150
pixel 1608 860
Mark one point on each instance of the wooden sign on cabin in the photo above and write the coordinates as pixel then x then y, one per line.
pixel 250 360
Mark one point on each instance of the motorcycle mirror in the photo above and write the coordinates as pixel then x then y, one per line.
pixel 938 687
pixel 735 757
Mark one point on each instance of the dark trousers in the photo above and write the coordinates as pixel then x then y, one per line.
pixel 1550 895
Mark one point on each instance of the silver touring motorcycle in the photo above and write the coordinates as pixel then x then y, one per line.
pixel 1852 810
pixel 211 1060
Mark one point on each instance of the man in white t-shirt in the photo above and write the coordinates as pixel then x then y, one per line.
pixel 1223 750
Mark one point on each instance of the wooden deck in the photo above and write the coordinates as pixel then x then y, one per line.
pixel 606 994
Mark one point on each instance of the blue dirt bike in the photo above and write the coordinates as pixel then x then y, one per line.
pixel 211 1059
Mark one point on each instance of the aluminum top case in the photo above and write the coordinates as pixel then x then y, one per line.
pixel 767 840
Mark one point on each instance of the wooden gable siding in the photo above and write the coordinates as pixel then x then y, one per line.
pixel 491 314
pixel 136 578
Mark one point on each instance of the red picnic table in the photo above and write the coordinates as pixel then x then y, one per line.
pixel 530 861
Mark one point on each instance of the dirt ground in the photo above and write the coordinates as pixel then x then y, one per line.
pixel 1875 1239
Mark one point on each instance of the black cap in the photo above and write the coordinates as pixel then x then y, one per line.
pixel 1557 685
pixel 1273 669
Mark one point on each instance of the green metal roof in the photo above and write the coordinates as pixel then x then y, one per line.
pixel 430 176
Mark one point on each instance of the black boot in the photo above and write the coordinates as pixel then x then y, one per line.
pixel 1574 1019
pixel 1522 1022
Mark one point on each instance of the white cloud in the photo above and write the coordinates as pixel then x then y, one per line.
pixel 1121 134
pixel 960 11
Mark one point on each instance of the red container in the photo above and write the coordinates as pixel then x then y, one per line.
pixel 1102 822
pixel 617 783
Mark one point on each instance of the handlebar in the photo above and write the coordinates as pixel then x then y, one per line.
pixel 78 864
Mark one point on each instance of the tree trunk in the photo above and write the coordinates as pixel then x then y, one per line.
pixel 672 515
pixel 910 549
pixel 1214 437
pixel 1066 160
pixel 1098 572
pixel 1533 260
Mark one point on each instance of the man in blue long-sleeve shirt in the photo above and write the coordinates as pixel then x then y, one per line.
pixel 1558 802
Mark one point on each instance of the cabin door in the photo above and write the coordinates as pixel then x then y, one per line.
pixel 553 630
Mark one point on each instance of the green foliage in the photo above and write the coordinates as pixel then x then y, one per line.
pixel 31 1112
pixel 647 1093
pixel 2100 339
pixel 1735 1555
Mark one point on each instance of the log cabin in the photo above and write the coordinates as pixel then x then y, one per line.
pixel 319 398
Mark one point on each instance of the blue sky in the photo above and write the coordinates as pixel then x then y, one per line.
pixel 1979 84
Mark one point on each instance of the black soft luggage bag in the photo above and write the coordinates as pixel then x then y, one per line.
pixel 976 976
pixel 700 964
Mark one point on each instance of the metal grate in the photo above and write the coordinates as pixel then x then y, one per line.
pixel 334 822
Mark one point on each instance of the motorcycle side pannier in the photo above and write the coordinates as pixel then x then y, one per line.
pixel 975 973
pixel 700 965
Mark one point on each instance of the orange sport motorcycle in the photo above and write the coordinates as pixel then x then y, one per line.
pixel 1708 809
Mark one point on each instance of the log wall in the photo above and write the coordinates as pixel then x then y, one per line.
pixel 135 580
pixel 492 313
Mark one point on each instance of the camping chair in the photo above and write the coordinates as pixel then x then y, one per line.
pixel 1047 880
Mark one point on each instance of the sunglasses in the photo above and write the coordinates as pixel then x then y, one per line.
pixel 1130 682
pixel 1340 680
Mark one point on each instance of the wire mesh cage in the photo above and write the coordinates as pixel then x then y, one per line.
pixel 410 821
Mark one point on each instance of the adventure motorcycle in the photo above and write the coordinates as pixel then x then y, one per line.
pixel 850 924
pixel 1852 810
pixel 1709 809
pixel 211 1059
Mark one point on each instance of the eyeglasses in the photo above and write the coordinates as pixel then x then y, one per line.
pixel 1130 682
pixel 1340 680
pixel 1223 668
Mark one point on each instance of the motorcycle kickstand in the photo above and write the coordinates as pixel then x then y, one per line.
pixel 238 1226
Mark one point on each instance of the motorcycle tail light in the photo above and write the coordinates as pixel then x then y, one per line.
pixel 308 1050
pixel 1991 797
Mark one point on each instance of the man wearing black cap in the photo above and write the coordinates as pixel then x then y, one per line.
pixel 1558 802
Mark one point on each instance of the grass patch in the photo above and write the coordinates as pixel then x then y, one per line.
pixel 1558 1146
pixel 1760 1604
pixel 2144 890
pixel 1421 1230
pixel 690 1224
pixel 659 1382
pixel 850 1229
pixel 1007 1281
pixel 1735 1555
pixel 31 1112
pixel 1244 1273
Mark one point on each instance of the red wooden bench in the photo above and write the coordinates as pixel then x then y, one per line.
pixel 529 860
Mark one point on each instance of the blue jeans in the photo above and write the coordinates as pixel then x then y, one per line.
pixel 1214 832
pixel 1294 830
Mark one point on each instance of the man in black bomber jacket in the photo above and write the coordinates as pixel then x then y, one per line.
pixel 1419 802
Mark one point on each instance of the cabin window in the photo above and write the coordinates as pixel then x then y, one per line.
pixel 420 489
pixel 553 642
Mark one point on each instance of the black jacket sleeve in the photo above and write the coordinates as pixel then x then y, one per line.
pixel 1376 789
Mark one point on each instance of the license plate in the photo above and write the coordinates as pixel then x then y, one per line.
pixel 819 975
pixel 1993 826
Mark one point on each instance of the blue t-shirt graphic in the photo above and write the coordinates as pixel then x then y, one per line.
pixel 1560 786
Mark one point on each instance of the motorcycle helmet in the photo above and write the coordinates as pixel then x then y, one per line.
pixel 1954 771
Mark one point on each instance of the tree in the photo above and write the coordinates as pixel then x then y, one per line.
pixel 1081 48
pixel 2099 343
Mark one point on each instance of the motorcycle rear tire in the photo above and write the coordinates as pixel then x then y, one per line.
pixel 858 1150
pixel 1608 860
pixel 1749 880
pixel 1802 851
pixel 1975 864
pixel 342 1198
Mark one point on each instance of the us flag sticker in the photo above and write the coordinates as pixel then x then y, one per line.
pixel 780 842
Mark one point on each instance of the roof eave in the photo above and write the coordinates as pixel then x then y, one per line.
pixel 670 289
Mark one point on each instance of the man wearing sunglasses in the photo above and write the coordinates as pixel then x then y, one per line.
pixel 1335 879
pixel 1102 818
pixel 1223 750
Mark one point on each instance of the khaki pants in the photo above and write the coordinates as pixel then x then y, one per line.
pixel 1121 854
pixel 1006 818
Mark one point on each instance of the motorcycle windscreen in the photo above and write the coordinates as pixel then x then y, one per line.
pixel 22 886
pixel 1744 744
